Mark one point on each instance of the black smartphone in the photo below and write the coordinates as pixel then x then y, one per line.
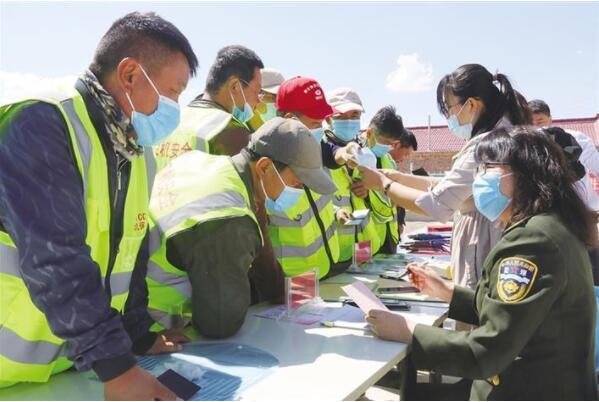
pixel 403 289
pixel 391 304
pixel 180 385
pixel 395 305
pixel 395 276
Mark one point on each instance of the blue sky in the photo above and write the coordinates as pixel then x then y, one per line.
pixel 549 50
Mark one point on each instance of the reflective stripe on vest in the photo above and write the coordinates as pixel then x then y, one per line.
pixel 9 260
pixel 305 252
pixel 30 352
pixel 179 282
pixel 153 239
pixel 120 282
pixel 151 168
pixel 342 201
pixel 347 230
pixel 200 206
pixel 164 320
pixel 84 145
pixel 206 188
pixel 303 218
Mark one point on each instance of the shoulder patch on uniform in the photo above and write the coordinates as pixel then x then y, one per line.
pixel 516 277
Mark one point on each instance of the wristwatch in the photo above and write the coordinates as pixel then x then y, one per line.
pixel 387 187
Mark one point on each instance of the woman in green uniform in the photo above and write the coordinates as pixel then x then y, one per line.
pixel 534 306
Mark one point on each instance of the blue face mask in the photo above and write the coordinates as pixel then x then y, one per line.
pixel 460 130
pixel 152 129
pixel 346 130
pixel 286 200
pixel 271 112
pixel 379 149
pixel 489 200
pixel 318 133
pixel 244 115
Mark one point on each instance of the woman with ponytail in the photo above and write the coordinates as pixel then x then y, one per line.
pixel 475 102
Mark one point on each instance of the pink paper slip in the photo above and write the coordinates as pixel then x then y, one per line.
pixel 363 297
pixel 362 252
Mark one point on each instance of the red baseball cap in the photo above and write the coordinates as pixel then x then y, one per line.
pixel 303 95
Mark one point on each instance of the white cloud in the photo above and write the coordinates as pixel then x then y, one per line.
pixel 410 75
pixel 18 86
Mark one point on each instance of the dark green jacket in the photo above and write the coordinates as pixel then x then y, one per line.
pixel 535 311
pixel 228 265
pixel 233 138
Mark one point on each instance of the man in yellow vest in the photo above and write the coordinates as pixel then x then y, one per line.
pixel 304 237
pixel 73 213
pixel 208 213
pixel 266 109
pixel 216 121
pixel 343 129
pixel 385 129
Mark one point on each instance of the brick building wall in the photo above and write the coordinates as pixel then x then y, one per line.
pixel 437 145
pixel 432 162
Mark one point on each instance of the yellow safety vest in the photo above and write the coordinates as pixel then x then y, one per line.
pixel 384 213
pixel 29 351
pixel 347 235
pixel 303 237
pixel 194 188
pixel 199 125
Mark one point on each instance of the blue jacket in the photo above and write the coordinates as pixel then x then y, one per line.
pixel 42 207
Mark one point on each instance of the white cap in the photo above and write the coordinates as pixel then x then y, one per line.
pixel 271 80
pixel 345 100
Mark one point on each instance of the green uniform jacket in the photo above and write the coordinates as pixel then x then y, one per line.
pixel 535 311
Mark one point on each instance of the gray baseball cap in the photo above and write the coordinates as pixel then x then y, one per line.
pixel 344 100
pixel 288 141
pixel 271 80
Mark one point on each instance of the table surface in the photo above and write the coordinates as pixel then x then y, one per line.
pixel 315 361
